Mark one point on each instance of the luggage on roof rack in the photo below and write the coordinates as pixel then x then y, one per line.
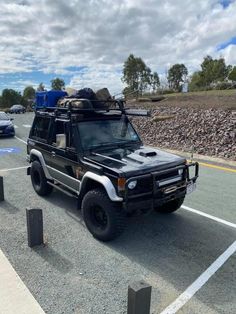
pixel 83 101
pixel 84 106
pixel 44 99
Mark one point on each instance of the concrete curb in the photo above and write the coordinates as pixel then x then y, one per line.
pixel 14 295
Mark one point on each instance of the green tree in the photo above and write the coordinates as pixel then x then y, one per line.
pixel 10 97
pixel 41 87
pixel 127 92
pixel 155 81
pixel 213 71
pixel 57 84
pixel 29 93
pixel 176 75
pixel 196 82
pixel 136 74
pixel 207 75
pixel 28 96
pixel 232 74
pixel 220 70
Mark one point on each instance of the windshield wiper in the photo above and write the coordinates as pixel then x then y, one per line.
pixel 115 144
pixel 105 144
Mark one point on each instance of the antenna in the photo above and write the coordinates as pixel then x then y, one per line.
pixel 191 157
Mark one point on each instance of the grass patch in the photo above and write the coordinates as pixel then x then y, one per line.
pixel 225 92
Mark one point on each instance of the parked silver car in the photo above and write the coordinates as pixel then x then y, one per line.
pixel 17 109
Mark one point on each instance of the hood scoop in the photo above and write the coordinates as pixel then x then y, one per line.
pixel 148 153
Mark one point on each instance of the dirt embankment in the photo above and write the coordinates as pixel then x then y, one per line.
pixel 206 130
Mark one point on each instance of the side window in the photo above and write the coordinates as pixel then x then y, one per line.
pixel 62 136
pixel 41 128
pixel 71 140
pixel 59 136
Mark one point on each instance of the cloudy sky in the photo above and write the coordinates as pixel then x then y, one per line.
pixel 86 42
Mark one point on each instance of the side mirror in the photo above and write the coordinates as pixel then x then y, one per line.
pixel 11 119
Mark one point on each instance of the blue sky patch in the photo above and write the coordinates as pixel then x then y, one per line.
pixel 225 3
pixel 20 80
pixel 222 46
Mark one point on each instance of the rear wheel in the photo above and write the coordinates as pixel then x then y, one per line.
pixel 39 180
pixel 171 206
pixel 103 218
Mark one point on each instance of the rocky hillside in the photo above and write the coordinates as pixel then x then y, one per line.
pixel 210 131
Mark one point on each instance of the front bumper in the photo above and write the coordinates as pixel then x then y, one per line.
pixel 7 132
pixel 162 191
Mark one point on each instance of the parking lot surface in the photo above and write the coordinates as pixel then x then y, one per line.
pixel 74 273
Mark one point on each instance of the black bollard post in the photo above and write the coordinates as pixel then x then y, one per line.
pixel 34 226
pixel 139 298
pixel 1 189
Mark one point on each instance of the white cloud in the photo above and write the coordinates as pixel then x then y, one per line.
pixel 230 54
pixel 97 78
pixel 52 35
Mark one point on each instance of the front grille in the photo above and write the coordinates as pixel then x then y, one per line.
pixel 3 127
pixel 167 175
pixel 158 181
pixel 170 178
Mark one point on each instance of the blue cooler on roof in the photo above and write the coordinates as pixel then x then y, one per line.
pixel 46 99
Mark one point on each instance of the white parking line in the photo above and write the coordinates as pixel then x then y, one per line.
pixel 200 281
pixel 198 212
pixel 19 139
pixel 14 295
pixel 15 126
pixel 12 169
pixel 26 125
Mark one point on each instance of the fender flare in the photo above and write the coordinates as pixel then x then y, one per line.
pixel 104 181
pixel 38 154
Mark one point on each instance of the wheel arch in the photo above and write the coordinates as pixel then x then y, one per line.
pixel 37 155
pixel 92 181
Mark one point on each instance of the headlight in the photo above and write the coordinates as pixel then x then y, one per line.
pixel 10 127
pixel 132 184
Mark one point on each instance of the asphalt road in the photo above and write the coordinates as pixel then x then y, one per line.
pixel 74 273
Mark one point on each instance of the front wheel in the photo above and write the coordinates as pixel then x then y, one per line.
pixel 103 218
pixel 39 180
pixel 171 206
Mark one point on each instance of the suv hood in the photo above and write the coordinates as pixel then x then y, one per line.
pixel 135 161
pixel 5 122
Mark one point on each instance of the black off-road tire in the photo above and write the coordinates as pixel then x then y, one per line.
pixel 103 218
pixel 171 206
pixel 39 180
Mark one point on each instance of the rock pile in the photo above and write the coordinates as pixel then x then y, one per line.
pixel 209 132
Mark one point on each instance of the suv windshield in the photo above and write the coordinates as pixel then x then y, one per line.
pixel 99 133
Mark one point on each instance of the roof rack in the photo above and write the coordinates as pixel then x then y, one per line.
pixel 118 106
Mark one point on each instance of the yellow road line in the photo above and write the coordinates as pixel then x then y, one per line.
pixel 217 167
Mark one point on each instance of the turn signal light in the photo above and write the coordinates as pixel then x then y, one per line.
pixel 121 184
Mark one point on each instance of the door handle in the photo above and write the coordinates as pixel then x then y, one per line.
pixel 53 154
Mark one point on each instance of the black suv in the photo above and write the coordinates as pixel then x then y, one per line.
pixel 97 156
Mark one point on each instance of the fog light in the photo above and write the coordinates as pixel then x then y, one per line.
pixel 132 184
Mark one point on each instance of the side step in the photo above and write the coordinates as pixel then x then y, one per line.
pixel 66 191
